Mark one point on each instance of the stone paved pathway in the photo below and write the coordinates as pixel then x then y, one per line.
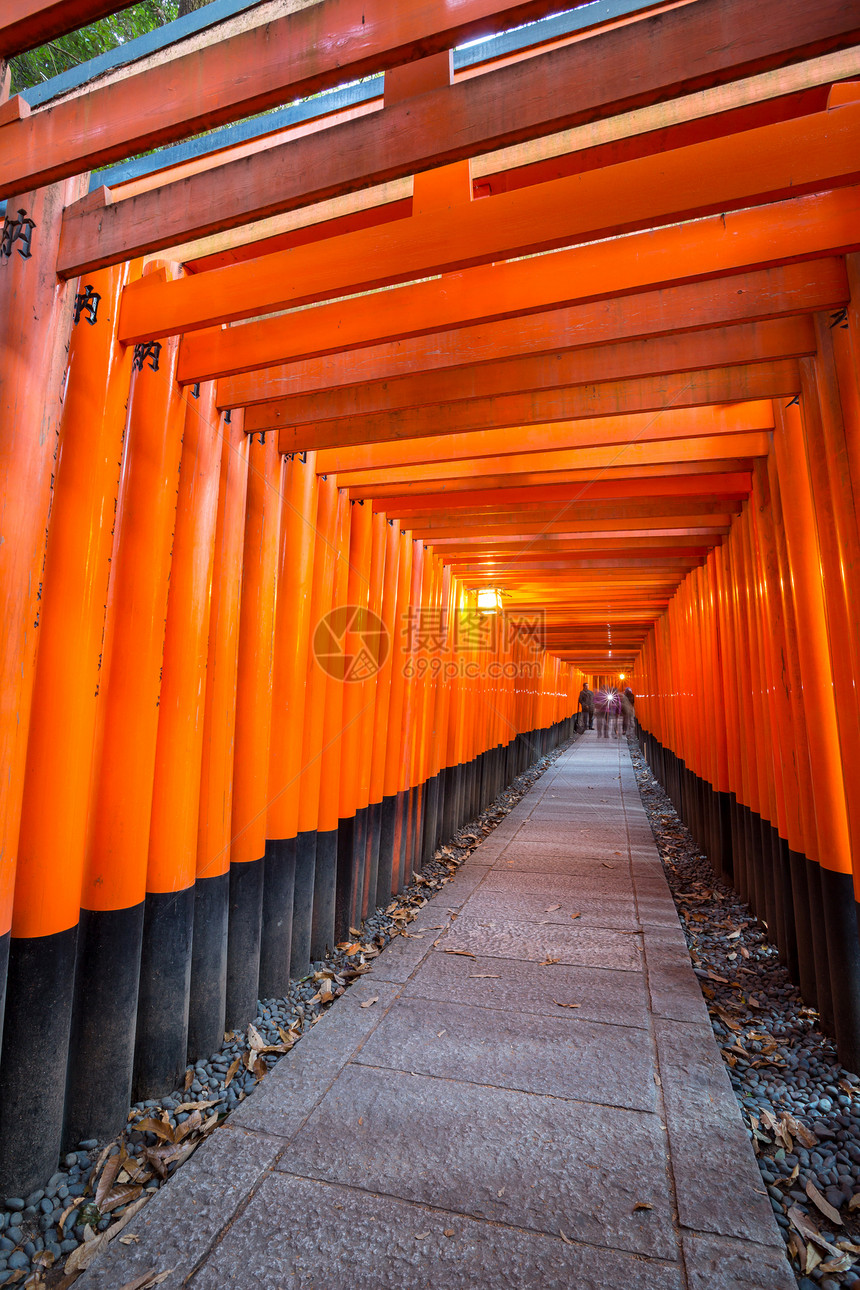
pixel 468 1131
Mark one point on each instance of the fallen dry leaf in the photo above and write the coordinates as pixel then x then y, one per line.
pixel 158 1127
pixel 147 1280
pixel 837 1265
pixel 421 1236
pixel 547 961
pixel 566 1239
pixel 607 865
pixel 479 976
pixel 82 1257
pixel 234 1066
pixel 449 1231
pixel 468 953
pixel 577 915
pixel 565 1005
pixel 824 1205
pixel 642 1204
pixel 552 909
pixel 807 1229
pixel 81 1200
pixel 854 1202
pixel 368 1003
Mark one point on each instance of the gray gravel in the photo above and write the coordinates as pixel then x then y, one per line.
pixel 800 1106
pixel 34 1247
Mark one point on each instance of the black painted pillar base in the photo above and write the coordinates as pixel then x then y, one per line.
pixel 207 1001
pixel 371 859
pixel 161 1039
pixel 416 834
pixel 841 923
pixel 821 947
pixel 101 1043
pixel 325 884
pixel 387 831
pixel 358 874
pixel 4 965
pixel 806 976
pixel 303 903
pixel 782 862
pixel 402 838
pixel 724 805
pixel 276 936
pixel 431 819
pixel 41 974
pixel 348 842
pixel 243 942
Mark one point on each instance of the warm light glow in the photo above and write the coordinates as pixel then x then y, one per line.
pixel 621 676
pixel 489 601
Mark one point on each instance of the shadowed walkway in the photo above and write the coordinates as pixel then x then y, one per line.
pixel 537 1064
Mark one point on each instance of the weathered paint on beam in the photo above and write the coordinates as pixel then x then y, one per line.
pixel 683 351
pixel 755 167
pixel 316 48
pixel 802 227
pixel 643 394
pixel 757 295
pixel 659 57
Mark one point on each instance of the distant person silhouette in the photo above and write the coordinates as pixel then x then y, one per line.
pixel 586 706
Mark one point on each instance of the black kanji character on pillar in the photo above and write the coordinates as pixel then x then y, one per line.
pixel 17 230
pixel 146 349
pixel 87 302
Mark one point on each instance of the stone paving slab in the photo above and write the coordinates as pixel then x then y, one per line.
pixel 719 1187
pixel 589 946
pixel 471 1127
pixel 599 906
pixel 673 990
pixel 715 1263
pixel 527 1161
pixel 601 994
pixel 295 1085
pixel 557 1055
pixel 464 882
pixel 367 1242
pixel 545 857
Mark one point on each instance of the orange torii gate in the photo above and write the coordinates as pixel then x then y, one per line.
pixel 610 381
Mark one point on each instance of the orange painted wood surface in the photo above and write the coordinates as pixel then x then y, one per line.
pixel 672 423
pixel 643 394
pixel 759 166
pixel 659 57
pixel 741 297
pixel 745 343
pixel 219 723
pixel 63 719
pixel 173 822
pixel 121 800
pixel 800 228
pixel 315 48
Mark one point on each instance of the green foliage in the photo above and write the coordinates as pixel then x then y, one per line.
pixel 37 65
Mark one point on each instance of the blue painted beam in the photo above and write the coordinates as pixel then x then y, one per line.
pixel 471 55
pixel 141 47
